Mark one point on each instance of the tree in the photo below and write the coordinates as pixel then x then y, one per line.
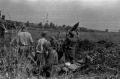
pixel 40 24
pixel 106 30
pixel 52 25
pixel 64 26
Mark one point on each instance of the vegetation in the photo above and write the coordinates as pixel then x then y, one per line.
pixel 98 51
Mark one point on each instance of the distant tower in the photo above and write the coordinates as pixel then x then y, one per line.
pixel 46 21
pixel 47 18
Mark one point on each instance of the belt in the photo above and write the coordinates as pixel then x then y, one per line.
pixel 39 52
pixel 24 45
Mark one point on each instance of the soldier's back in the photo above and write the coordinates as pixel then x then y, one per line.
pixel 24 38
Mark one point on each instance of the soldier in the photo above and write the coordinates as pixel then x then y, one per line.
pixel 51 54
pixel 70 46
pixel 3 20
pixel 2 31
pixel 24 41
pixel 40 49
pixel 51 58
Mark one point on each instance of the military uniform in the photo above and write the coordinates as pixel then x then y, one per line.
pixel 40 52
pixel 51 59
pixel 70 47
pixel 2 33
pixel 24 40
pixel 54 43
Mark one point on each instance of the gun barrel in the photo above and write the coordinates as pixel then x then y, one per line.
pixel 75 27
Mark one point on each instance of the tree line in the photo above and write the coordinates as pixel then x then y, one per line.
pixel 15 24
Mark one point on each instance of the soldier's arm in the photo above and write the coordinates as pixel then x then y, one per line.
pixel 38 46
pixel 31 39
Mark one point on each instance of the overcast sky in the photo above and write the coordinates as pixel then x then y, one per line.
pixel 95 14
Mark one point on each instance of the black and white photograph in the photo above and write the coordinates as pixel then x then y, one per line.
pixel 59 39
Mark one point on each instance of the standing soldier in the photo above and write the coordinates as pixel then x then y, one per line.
pixel 2 29
pixel 4 22
pixel 24 41
pixel 40 49
pixel 54 43
pixel 51 59
pixel 52 56
pixel 2 33
pixel 70 44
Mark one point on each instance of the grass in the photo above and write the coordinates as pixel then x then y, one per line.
pixel 94 36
